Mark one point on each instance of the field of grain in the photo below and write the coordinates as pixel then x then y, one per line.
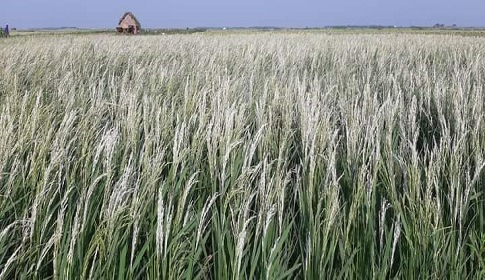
pixel 242 156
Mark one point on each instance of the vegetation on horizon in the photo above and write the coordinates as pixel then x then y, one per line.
pixel 248 156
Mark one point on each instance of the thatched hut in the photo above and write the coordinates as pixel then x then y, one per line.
pixel 128 24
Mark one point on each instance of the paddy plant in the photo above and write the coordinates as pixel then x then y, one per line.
pixel 242 156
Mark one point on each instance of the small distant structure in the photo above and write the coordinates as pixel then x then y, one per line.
pixel 128 24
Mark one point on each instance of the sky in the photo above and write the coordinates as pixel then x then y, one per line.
pixel 25 14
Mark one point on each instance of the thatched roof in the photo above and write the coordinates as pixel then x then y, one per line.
pixel 127 16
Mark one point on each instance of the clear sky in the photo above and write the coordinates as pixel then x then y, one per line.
pixel 227 13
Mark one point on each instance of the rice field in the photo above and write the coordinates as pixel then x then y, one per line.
pixel 242 156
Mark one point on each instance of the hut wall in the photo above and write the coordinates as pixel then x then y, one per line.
pixel 127 21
